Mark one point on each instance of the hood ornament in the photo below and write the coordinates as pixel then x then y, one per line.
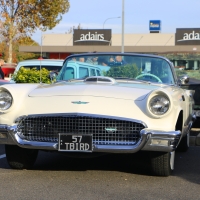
pixel 79 102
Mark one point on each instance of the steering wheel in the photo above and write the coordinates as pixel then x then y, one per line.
pixel 152 75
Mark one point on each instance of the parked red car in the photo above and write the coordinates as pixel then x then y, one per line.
pixel 8 69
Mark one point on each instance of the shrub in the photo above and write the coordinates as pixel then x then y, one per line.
pixel 32 76
pixel 180 72
pixel 194 74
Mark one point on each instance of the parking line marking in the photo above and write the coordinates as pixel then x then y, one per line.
pixel 2 156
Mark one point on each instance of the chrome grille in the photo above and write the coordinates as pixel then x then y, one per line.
pixel 105 131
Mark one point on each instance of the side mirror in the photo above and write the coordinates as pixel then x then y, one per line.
pixel 184 79
pixel 52 76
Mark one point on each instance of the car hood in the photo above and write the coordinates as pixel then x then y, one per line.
pixel 133 91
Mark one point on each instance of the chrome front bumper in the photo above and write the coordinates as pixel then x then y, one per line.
pixel 151 140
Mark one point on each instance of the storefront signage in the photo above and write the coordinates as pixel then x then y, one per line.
pixel 92 37
pixel 154 25
pixel 187 36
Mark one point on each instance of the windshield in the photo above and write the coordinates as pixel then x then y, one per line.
pixel 118 66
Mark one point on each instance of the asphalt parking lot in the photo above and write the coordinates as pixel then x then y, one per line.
pixel 56 176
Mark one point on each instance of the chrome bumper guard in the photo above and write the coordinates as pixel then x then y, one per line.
pixel 151 140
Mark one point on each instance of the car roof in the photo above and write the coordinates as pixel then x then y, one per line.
pixel 42 61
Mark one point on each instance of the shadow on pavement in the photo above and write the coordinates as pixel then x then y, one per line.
pixel 187 165
pixel 136 163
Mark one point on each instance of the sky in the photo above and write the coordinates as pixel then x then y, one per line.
pixel 95 14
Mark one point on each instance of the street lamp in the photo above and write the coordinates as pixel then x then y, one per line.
pixel 110 18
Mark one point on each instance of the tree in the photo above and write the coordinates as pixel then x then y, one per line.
pixel 71 30
pixel 16 55
pixel 21 18
pixel 19 56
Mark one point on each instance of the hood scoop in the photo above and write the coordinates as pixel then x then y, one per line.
pixel 100 79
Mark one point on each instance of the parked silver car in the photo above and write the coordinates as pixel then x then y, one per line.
pixel 49 64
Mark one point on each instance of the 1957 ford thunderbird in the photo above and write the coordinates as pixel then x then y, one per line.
pixel 110 103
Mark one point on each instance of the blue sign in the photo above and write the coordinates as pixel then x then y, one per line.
pixel 154 25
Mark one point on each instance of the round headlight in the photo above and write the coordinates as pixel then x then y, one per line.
pixel 5 100
pixel 159 105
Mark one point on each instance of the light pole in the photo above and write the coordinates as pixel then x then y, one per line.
pixel 122 50
pixel 110 18
pixel 42 37
pixel 41 58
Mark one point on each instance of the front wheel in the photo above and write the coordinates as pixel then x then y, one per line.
pixel 20 158
pixel 162 163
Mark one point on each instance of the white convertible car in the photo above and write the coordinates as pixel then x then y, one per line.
pixel 115 103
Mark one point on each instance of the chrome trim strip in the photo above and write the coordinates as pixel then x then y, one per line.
pixel 186 129
pixel 172 136
pixel 35 145
pixel 123 149
pixel 100 79
pixel 143 144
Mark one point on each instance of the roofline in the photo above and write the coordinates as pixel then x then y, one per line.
pixel 43 60
pixel 128 49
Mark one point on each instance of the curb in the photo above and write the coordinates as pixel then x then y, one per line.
pixel 195 140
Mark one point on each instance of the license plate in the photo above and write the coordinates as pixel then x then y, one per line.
pixel 72 142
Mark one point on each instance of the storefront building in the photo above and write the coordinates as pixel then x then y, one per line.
pixel 182 47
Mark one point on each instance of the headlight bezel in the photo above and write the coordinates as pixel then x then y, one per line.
pixel 10 103
pixel 159 94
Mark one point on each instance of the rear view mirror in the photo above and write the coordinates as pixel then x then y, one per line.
pixel 52 76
